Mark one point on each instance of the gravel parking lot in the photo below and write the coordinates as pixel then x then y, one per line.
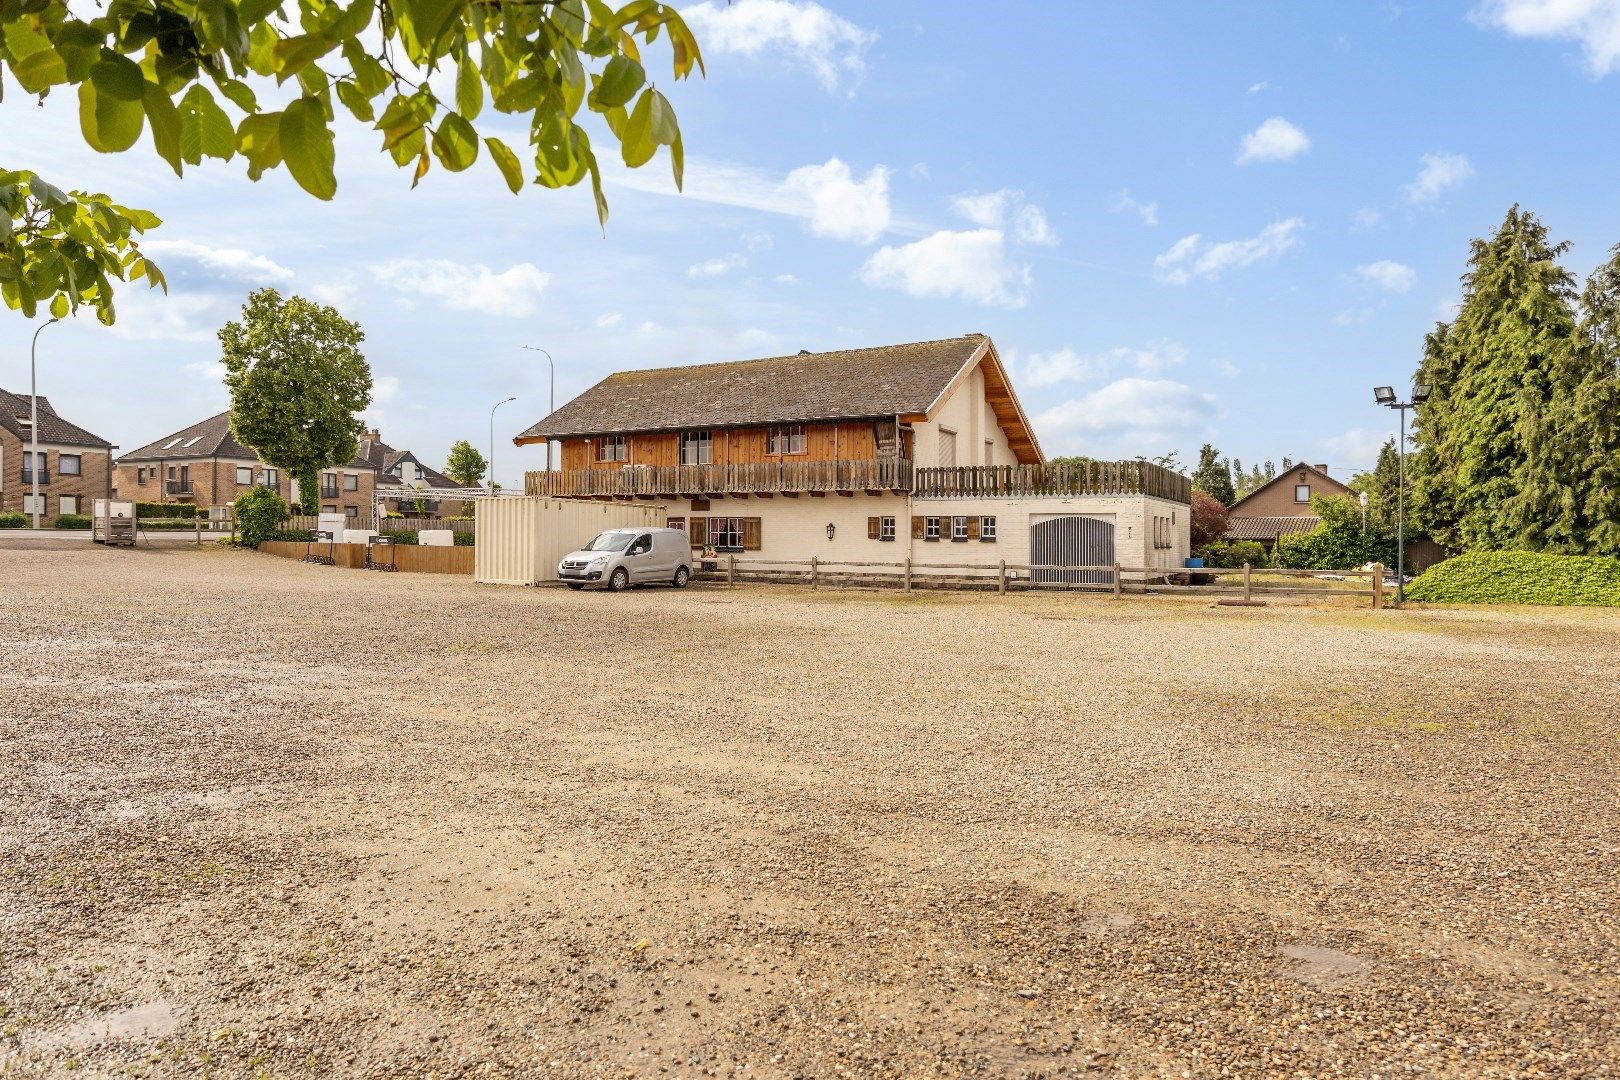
pixel 262 818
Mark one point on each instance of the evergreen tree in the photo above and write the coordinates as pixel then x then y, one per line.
pixel 1214 476
pixel 1492 373
pixel 1382 488
pixel 1592 415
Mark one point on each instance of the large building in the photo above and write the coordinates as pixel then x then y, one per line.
pixel 917 451
pixel 74 464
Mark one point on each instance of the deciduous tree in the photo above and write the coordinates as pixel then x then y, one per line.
pixel 298 383
pixel 465 465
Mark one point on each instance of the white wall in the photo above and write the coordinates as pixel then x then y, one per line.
pixel 966 412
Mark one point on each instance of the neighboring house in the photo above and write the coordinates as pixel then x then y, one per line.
pixel 75 465
pixel 875 454
pixel 204 464
pixel 406 486
pixel 1282 505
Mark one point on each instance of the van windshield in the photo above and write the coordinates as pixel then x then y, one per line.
pixel 610 541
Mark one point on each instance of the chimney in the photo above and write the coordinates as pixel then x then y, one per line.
pixel 1320 468
pixel 374 435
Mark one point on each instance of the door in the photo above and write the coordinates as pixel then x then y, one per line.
pixel 1072 541
pixel 640 560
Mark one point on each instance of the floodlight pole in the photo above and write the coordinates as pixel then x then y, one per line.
pixel 498 404
pixel 1385 396
pixel 551 404
pixel 33 417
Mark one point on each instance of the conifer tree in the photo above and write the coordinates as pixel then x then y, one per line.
pixel 1593 414
pixel 1214 476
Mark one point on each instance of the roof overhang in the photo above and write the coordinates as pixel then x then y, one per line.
pixel 998 394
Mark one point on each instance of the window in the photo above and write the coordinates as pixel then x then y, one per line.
pixel 244 475
pixel 44 467
pixel 67 504
pixel 1161 532
pixel 1302 493
pixel 193 441
pixel 787 439
pixel 329 487
pixel 270 477
pixel 68 464
pixel 930 528
pixel 987 530
pixel 947 448
pixel 611 448
pixel 351 481
pixel 32 501
pixel 351 511
pixel 886 528
pixel 328 509
pixel 697 448
pixel 172 443
pixel 140 473
pixel 725 533
pixel 959 530
pixel 642 545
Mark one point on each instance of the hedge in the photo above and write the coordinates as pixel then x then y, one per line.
pixel 1520 577
pixel 411 536
pixel 167 510
pixel 13 519
pixel 1231 554
pixel 71 521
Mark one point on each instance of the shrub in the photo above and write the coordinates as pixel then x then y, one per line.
pixel 1208 519
pixel 412 536
pixel 1520 577
pixel 1339 543
pixel 1229 554
pixel 13 519
pixel 166 510
pixel 70 521
pixel 259 514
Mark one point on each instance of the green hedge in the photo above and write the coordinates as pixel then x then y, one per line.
pixel 1231 554
pixel 411 536
pixel 1520 577
pixel 71 521
pixel 167 510
pixel 13 519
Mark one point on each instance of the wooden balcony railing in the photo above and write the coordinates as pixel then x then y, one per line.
pixel 1085 478
pixel 757 478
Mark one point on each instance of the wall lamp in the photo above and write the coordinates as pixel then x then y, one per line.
pixel 831 528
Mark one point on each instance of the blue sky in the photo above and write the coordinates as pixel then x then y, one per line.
pixel 1179 222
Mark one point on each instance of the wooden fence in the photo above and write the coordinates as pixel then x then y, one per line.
pixel 389 524
pixel 408 558
pixel 1080 478
pixel 1240 586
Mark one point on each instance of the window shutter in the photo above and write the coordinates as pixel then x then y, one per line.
pixel 916 528
pixel 698 530
pixel 973 528
pixel 871 528
pixel 750 534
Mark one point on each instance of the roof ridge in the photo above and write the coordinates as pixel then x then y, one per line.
pixel 792 356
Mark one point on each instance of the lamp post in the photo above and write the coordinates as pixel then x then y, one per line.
pixel 497 405
pixel 33 417
pixel 551 404
pixel 1385 396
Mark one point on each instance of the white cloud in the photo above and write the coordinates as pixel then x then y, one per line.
pixel 1228 370
pixel 969 265
pixel 1356 449
pixel 226 262
pixel 804 32
pixel 609 319
pixel 1440 173
pixel 842 207
pixel 212 372
pixel 147 316
pixel 1593 23
pixel 755 338
pixel 1448 308
pixel 1192 256
pixel 716 267
pixel 756 242
pixel 512 293
pixel 1388 275
pixel 1367 217
pixel 1274 140
pixel 786 279
pixel 384 388
pixel 998 209
pixel 1255 88
pixel 1129 416
pixel 1066 365
pixel 334 294
pixel 1147 211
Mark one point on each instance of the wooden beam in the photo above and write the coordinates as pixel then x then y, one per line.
pixel 764 495
pixel 817 494
pixel 791 494
pixel 847 494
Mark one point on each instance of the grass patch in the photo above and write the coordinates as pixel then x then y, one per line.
pixel 1520 577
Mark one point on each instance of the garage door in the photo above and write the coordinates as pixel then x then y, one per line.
pixel 1072 541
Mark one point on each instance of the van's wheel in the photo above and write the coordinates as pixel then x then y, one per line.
pixel 575 585
pixel 619 580
pixel 682 576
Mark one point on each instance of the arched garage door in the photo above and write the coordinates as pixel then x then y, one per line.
pixel 1072 541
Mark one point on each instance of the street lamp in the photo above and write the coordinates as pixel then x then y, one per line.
pixel 1385 396
pixel 551 405
pixel 33 416
pixel 497 405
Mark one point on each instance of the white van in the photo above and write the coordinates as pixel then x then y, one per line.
pixel 620 558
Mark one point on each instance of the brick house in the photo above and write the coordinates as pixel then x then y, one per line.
pixel 1282 505
pixel 205 465
pixel 75 462
pixel 403 480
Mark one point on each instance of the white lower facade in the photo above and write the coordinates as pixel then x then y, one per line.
pixel 1142 532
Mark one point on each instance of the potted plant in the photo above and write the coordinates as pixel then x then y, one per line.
pixel 711 558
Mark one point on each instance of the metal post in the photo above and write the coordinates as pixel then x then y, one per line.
pixel 551 404
pixel 1001 577
pixel 497 405
pixel 1400 517
pixel 33 416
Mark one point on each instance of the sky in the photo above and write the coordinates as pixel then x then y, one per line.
pixel 1179 222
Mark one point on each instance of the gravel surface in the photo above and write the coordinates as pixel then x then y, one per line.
pixel 262 818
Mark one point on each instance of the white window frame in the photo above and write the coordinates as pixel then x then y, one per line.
pixel 63 502
pixel 270 478
pixel 959 529
pixel 722 529
pixel 28 504
pixel 987 529
pixel 697 447
pixel 1306 488
pixel 931 528
pixel 886 528
pixel 244 476
pixel 351 481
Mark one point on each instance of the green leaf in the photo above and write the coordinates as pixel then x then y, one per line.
pixel 356 101
pixel 117 77
pixel 38 72
pixel 205 130
pixel 455 143
pixel 677 161
pixel 47 195
pixel 507 162
pixel 620 80
pixel 109 124
pixel 662 123
pixel 369 75
pixel 421 22
pixel 59 306
pixel 165 121
pixel 637 143
pixel 294 54
pixel 239 93
pixel 306 143
pixel 259 140
pixel 469 89
pixel 352 21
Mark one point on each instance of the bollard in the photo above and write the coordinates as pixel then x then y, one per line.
pixel 1117 589
pixel 908 573
pixel 1001 577
pixel 731 569
pixel 1378 586
pixel 815 577
pixel 1248 590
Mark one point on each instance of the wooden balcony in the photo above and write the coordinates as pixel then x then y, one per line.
pixel 762 479
pixel 1031 481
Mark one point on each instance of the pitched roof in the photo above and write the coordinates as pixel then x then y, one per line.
pixel 845 384
pixel 207 439
pixel 15 415
pixel 1291 471
pixel 1269 528
pixel 382 457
